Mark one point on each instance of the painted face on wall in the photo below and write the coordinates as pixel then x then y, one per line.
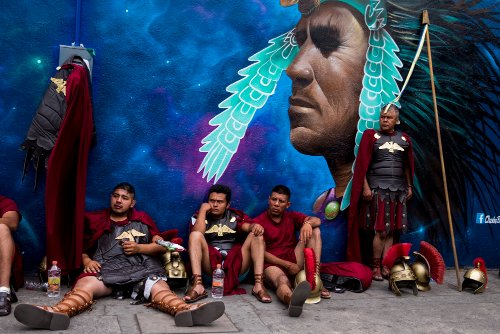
pixel 327 78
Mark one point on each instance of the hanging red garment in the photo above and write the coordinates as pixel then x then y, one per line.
pixel 67 174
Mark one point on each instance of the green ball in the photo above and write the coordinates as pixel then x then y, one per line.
pixel 332 210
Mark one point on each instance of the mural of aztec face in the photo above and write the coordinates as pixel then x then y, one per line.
pixel 346 60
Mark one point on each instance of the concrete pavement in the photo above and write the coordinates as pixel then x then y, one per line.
pixel 441 310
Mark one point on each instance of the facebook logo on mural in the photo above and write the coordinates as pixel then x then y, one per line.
pixel 479 218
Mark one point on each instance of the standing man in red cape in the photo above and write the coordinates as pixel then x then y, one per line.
pixel 9 220
pixel 220 234
pixel 382 183
pixel 120 252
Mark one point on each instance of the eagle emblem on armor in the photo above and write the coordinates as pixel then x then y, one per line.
pixel 220 230
pixel 391 147
pixel 130 235
pixel 61 85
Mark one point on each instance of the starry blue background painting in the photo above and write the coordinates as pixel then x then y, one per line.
pixel 160 70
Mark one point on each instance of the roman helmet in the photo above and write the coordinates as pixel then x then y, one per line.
pixel 402 276
pixel 175 268
pixel 421 270
pixel 315 296
pixel 475 278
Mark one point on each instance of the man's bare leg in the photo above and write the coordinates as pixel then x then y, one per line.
pixel 6 255
pixel 389 240
pixel 79 299
pixel 293 299
pixel 379 241
pixel 252 251
pixel 200 262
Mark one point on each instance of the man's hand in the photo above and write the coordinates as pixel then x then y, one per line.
pixel 205 208
pixel 92 267
pixel 130 247
pixel 306 232
pixel 410 192
pixel 367 194
pixel 256 229
pixel 293 269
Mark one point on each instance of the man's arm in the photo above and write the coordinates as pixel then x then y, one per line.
pixel 11 219
pixel 307 227
pixel 200 224
pixel 132 247
pixel 408 181
pixel 251 227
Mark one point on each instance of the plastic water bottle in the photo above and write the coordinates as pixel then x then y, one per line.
pixel 54 284
pixel 218 282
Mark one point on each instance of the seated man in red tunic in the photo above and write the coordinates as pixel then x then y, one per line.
pixel 121 250
pixel 284 256
pixel 9 219
pixel 223 235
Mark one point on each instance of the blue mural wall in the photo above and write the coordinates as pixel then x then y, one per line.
pixel 161 69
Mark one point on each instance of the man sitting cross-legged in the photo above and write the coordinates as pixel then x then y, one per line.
pixel 121 251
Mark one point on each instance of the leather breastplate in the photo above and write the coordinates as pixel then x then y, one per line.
pixel 118 268
pixel 222 233
pixel 387 169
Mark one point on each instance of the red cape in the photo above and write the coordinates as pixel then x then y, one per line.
pixel 98 222
pixel 67 175
pixel 363 160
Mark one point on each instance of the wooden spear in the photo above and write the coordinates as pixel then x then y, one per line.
pixel 425 20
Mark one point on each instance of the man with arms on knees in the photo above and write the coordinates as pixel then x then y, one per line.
pixel 221 234
pixel 284 256
pixel 120 251
pixel 382 183
pixel 9 220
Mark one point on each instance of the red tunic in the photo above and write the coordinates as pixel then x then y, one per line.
pixel 281 238
pixel 6 205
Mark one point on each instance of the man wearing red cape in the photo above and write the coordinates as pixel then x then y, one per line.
pixel 223 235
pixel 120 253
pixel 382 182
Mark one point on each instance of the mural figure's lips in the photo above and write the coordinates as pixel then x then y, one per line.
pixel 299 111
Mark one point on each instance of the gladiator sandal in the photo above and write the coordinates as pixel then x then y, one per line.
pixel 57 317
pixel 262 295
pixel 376 275
pixel 186 315
pixel 192 294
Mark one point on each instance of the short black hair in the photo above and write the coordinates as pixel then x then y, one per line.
pixel 125 186
pixel 221 189
pixel 281 189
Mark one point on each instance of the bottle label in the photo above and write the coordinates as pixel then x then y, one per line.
pixel 218 284
pixel 54 280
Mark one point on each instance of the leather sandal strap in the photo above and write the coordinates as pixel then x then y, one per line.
pixel 74 302
pixel 196 280
pixel 168 302
pixel 258 278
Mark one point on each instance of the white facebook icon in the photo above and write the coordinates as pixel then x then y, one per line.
pixel 480 218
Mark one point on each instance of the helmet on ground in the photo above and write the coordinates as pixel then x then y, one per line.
pixel 315 296
pixel 421 270
pixel 402 276
pixel 474 279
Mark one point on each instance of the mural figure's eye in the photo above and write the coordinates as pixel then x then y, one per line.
pixel 300 37
pixel 326 39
